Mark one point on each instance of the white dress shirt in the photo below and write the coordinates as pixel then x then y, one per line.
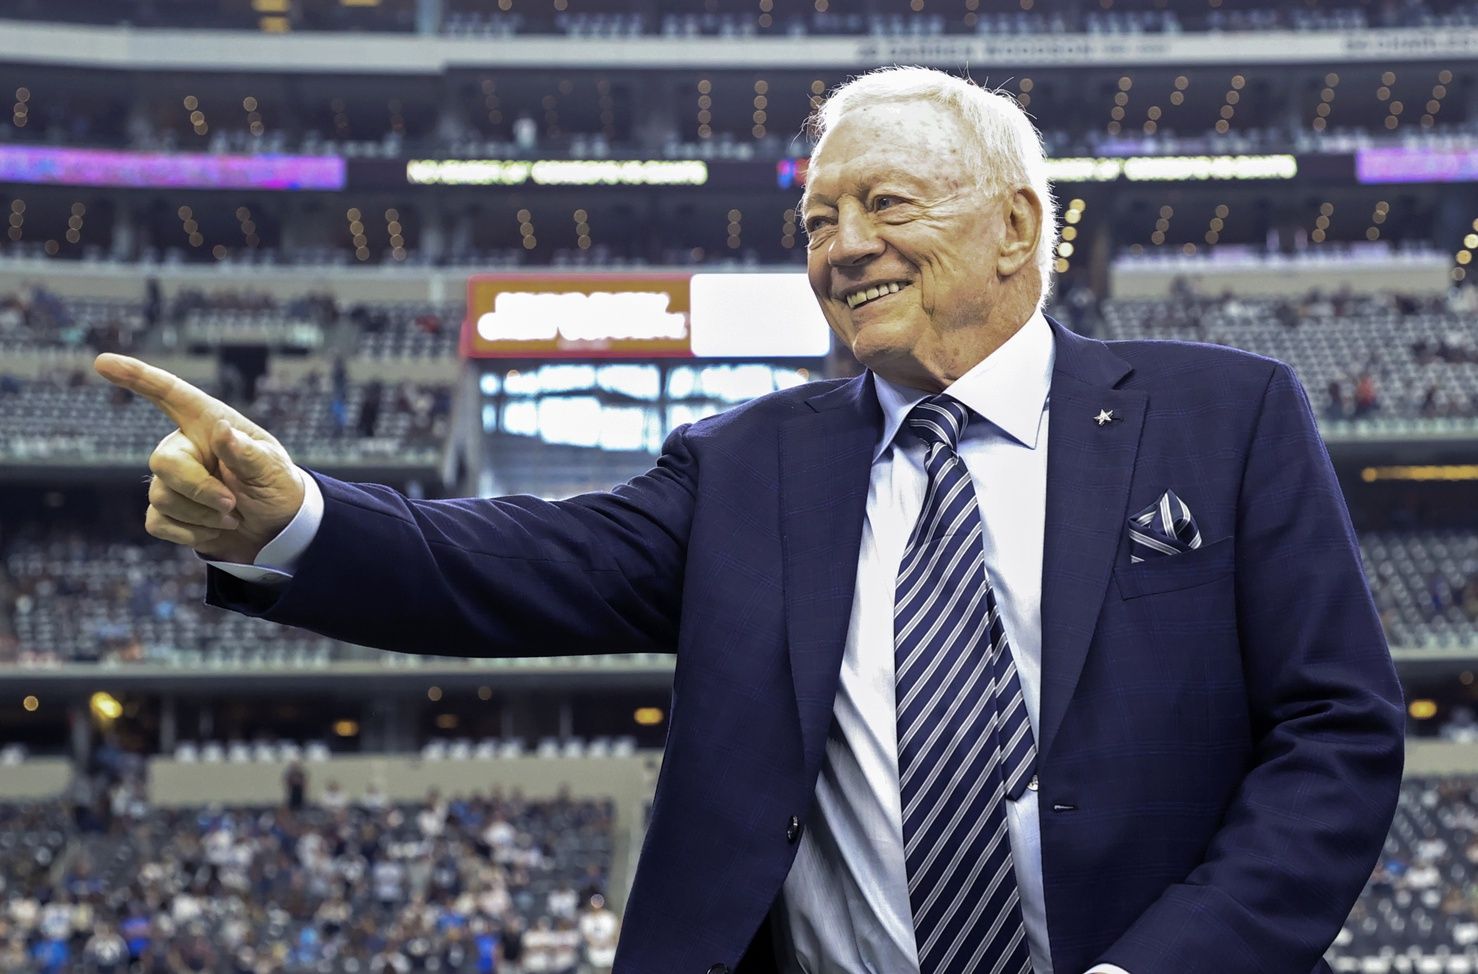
pixel 844 907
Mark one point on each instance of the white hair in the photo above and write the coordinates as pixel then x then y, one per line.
pixel 1005 153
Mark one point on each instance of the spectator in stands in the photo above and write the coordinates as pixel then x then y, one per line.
pixel 1367 399
pixel 1334 404
pixel 600 927
pixel 295 781
pixel 525 134
pixel 339 396
pixel 369 408
pixel 563 901
pixel 105 952
pixel 374 798
pixel 334 797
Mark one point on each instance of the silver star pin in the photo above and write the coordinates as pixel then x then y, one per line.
pixel 1104 416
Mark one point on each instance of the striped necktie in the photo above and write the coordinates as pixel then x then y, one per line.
pixel 965 745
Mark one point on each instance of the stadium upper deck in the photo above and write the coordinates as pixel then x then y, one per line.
pixel 758 16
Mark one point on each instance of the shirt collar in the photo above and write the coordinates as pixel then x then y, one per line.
pixel 1008 387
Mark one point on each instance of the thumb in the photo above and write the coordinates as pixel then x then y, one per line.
pixel 249 460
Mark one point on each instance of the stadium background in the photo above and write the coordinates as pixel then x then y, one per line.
pixel 355 219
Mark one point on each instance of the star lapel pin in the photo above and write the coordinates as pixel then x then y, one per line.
pixel 1104 416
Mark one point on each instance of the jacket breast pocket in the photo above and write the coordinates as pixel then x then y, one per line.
pixel 1171 573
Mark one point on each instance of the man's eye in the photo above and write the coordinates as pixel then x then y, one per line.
pixel 815 223
pixel 883 202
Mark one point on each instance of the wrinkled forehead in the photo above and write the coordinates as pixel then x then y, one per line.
pixel 918 141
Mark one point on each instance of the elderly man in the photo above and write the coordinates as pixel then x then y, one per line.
pixel 1019 652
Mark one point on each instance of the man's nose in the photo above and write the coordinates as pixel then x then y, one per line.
pixel 856 239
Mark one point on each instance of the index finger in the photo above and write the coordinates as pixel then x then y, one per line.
pixel 193 411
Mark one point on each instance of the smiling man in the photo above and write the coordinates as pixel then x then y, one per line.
pixel 1019 652
pixel 926 256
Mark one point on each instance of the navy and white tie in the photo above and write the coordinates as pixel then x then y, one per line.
pixel 965 744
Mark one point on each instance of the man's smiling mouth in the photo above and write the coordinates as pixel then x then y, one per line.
pixel 858 298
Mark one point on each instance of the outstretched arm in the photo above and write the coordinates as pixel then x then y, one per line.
pixel 474 577
pixel 510 576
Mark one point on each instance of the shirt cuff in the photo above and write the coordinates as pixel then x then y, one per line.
pixel 278 559
pixel 1107 969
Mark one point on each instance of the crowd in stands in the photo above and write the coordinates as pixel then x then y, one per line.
pixel 481 883
pixel 1419 912
pixel 57 412
pixel 69 595
pixel 36 318
pixel 1360 357
pixel 494 882
pixel 1425 585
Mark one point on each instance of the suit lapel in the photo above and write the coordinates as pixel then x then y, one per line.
pixel 825 464
pixel 1089 467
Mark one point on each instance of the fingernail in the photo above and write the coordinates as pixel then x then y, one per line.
pixel 224 503
pixel 230 522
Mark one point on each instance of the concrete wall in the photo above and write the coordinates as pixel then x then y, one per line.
pixel 348 284
pixel 1431 757
pixel 35 778
pixel 405 778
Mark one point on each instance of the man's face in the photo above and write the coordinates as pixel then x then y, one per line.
pixel 889 204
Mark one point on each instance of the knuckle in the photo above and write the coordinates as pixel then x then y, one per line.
pixel 155 522
pixel 197 490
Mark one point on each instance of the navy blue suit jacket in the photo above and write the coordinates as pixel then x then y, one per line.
pixel 1221 730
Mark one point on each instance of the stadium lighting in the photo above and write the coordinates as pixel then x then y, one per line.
pixel 1445 472
pixel 105 706
pixel 1423 709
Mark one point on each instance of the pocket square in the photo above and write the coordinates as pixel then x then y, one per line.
pixel 1164 528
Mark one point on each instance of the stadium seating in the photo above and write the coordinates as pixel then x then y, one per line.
pixel 335 887
pixel 1423 363
pixel 475 18
pixel 76 598
pixel 1417 913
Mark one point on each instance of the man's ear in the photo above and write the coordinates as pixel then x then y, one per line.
pixel 1023 218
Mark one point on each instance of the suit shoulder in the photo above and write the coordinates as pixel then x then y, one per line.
pixel 764 412
pixel 1166 361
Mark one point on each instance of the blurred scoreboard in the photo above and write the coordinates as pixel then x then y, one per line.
pixel 643 316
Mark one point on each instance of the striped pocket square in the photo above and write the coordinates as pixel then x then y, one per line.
pixel 1164 528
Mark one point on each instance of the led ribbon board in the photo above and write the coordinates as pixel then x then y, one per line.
pixel 168 170
pixel 791 173
pixel 1399 164
pixel 556 172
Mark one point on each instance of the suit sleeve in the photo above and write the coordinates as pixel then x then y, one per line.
pixel 509 576
pixel 1304 830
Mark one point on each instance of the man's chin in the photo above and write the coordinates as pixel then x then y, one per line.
pixel 877 344
pixel 895 364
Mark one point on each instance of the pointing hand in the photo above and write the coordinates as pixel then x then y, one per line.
pixel 222 485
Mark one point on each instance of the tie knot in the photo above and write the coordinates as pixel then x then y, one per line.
pixel 939 419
